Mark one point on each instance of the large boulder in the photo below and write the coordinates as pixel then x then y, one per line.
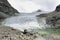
pixel 6 9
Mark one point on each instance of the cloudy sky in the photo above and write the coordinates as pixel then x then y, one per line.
pixel 33 5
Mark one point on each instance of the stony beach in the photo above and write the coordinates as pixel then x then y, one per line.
pixel 9 33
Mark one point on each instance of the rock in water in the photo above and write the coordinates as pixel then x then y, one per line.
pixel 6 9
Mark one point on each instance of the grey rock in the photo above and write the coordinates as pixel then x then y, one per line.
pixel 3 15
pixel 39 11
pixel 58 8
pixel 6 9
pixel 54 19
pixel 50 20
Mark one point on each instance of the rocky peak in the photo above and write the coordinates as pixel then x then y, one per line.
pixel 38 11
pixel 58 8
pixel 5 2
pixel 6 9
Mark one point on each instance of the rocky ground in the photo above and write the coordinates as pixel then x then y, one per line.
pixel 8 33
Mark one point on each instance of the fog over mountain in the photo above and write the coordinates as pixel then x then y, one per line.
pixel 33 5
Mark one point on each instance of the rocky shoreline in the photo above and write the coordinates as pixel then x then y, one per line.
pixel 8 33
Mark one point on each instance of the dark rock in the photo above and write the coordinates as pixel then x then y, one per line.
pixel 58 8
pixel 3 15
pixel 42 15
pixel 25 31
pixel 6 9
pixel 38 11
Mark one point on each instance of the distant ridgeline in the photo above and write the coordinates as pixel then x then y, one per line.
pixel 6 9
pixel 50 20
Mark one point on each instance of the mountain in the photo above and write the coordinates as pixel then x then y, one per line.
pixel 6 9
pixel 51 19
pixel 57 8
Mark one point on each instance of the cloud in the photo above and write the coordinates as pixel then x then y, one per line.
pixel 48 5
pixel 33 5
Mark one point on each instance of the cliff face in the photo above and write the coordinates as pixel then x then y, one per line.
pixel 52 19
pixel 6 9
